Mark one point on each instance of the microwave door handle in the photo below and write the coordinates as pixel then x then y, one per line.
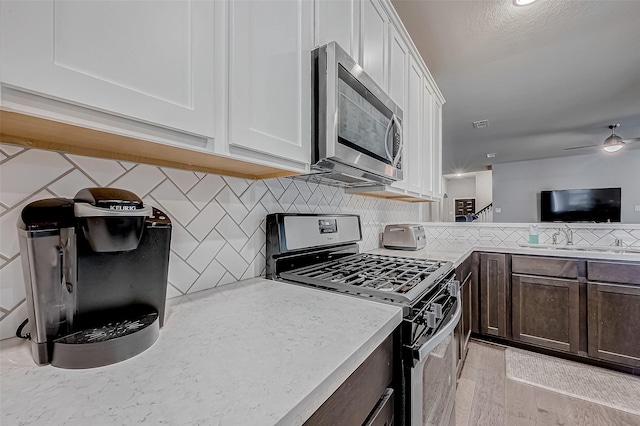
pixel 386 139
pixel 394 119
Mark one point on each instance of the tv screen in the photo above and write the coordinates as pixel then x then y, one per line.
pixel 581 205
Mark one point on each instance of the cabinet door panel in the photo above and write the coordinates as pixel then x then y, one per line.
pixel 269 69
pixel 412 143
pixel 493 294
pixel 614 315
pixel 427 139
pixel 546 312
pixel 335 21
pixel 398 85
pixel 437 150
pixel 374 41
pixel 150 61
pixel 398 62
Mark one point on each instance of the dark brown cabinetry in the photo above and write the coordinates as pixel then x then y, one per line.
pixel 545 312
pixel 467 276
pixel 581 307
pixel 494 293
pixel 614 312
pixel 545 301
pixel 364 396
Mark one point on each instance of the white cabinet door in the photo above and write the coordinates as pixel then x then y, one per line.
pixel 413 145
pixel 269 77
pixel 147 60
pixel 437 151
pixel 427 138
pixel 398 72
pixel 373 53
pixel 337 20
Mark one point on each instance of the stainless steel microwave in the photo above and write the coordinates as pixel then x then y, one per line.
pixel 356 127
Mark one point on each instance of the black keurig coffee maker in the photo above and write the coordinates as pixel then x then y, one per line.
pixel 95 271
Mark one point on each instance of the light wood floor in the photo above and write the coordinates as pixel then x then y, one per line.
pixel 486 397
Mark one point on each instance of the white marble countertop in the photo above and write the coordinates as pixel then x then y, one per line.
pixel 258 352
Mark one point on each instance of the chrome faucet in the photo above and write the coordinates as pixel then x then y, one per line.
pixel 566 231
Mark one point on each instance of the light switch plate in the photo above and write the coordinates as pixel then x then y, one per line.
pixel 638 208
pixel 498 210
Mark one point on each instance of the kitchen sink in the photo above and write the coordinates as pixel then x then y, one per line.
pixel 609 249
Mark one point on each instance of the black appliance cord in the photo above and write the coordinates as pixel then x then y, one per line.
pixel 19 330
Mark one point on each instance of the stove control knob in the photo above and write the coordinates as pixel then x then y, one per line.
pixel 436 309
pixel 454 288
pixel 431 319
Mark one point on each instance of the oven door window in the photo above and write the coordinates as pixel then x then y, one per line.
pixel 438 383
pixel 364 123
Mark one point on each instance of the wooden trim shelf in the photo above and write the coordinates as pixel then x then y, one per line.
pixel 34 132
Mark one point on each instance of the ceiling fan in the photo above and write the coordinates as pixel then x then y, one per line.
pixel 611 144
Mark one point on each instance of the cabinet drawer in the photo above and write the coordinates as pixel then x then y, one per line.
pixel 352 402
pixel 545 266
pixel 623 273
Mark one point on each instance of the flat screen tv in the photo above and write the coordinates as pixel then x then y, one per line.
pixel 581 205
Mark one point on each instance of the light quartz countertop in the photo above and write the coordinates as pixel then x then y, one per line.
pixel 457 254
pixel 257 352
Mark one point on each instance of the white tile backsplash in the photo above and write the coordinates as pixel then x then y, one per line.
pixel 218 231
pixel 453 237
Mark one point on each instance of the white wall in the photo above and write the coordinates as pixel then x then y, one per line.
pixel 517 186
pixel 484 189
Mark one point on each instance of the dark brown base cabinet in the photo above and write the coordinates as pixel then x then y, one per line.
pixel 545 312
pixel 588 309
pixel 465 273
pixel 493 294
pixel 614 312
pixel 366 395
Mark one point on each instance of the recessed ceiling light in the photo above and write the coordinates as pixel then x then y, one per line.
pixel 458 174
pixel 523 2
pixel 491 155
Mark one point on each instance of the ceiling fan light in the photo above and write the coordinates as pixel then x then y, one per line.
pixel 523 2
pixel 612 148
pixel 613 143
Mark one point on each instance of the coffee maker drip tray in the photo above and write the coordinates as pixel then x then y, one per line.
pixel 112 342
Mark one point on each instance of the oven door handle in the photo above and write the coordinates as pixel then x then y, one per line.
pixel 441 335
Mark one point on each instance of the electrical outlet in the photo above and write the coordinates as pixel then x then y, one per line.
pixel 497 210
pixel 638 209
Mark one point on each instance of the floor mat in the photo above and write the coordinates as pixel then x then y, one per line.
pixel 613 389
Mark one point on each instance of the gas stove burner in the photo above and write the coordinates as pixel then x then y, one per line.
pixel 399 279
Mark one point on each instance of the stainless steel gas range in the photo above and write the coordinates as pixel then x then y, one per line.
pixel 323 251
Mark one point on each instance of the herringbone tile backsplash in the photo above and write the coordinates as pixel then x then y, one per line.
pixel 218 221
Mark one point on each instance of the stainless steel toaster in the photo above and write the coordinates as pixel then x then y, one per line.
pixel 404 237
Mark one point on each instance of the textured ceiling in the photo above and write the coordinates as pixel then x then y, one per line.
pixel 548 76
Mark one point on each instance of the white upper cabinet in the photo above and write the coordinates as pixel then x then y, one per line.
pixel 147 60
pixel 413 151
pixel 269 73
pixel 398 66
pixel 374 30
pixel 398 86
pixel 428 159
pixel 337 20
pixel 437 149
